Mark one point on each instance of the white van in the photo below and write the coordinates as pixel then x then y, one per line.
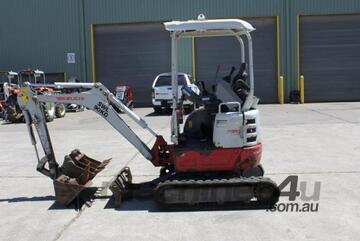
pixel 162 93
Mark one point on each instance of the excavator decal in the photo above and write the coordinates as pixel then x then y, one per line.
pixel 24 95
pixel 72 98
pixel 102 109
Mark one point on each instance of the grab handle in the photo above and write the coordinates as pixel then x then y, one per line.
pixel 230 103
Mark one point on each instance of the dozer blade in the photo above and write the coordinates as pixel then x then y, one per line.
pixel 76 174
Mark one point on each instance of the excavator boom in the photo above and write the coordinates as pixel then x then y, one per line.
pixel 70 179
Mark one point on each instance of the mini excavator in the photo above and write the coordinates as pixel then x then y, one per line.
pixel 213 157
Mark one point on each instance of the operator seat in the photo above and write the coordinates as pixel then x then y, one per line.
pixel 241 74
pixel 239 84
pixel 198 125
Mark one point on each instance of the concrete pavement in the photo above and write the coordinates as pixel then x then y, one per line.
pixel 316 142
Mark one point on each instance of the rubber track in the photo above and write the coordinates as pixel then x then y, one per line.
pixel 201 185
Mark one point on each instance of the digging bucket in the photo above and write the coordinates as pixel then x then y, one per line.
pixel 76 174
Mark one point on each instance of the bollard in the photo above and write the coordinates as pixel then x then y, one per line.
pixel 302 90
pixel 281 90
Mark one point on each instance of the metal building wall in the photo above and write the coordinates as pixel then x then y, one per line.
pixel 39 33
pixel 113 11
pixel 310 7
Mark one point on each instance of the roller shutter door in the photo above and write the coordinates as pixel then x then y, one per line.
pixel 54 77
pixel 132 54
pixel 225 51
pixel 330 57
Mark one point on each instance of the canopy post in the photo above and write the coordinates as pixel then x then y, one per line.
pixel 174 87
pixel 242 46
pixel 249 98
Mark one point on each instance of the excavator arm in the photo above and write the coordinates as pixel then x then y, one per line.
pixel 96 97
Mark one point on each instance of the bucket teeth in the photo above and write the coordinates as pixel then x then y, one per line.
pixel 76 173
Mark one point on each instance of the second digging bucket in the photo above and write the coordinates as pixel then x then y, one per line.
pixel 76 173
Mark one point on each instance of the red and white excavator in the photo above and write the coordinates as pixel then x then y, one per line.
pixel 38 80
pixel 213 158
pixel 9 108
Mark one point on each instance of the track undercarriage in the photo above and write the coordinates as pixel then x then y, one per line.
pixel 173 190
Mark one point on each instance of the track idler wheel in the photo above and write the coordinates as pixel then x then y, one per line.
pixel 267 194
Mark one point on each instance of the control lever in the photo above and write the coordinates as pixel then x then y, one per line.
pixel 240 74
pixel 228 77
pixel 189 94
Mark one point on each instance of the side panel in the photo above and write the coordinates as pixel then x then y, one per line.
pixel 218 159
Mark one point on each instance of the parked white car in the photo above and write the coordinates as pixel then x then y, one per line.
pixel 162 92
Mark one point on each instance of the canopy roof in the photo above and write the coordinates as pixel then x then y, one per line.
pixel 30 71
pixel 8 73
pixel 215 27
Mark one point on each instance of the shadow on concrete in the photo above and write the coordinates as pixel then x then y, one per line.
pixel 28 199
pixel 11 123
pixel 134 205
pixel 76 204
pixel 150 206
pixel 85 198
pixel 163 113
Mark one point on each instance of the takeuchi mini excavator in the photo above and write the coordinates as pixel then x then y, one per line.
pixel 213 157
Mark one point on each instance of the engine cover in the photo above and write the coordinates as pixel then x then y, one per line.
pixel 236 129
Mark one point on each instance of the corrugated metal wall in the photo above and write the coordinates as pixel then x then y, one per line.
pixel 310 7
pixel 113 11
pixel 39 33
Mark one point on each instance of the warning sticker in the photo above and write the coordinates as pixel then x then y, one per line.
pixel 24 95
